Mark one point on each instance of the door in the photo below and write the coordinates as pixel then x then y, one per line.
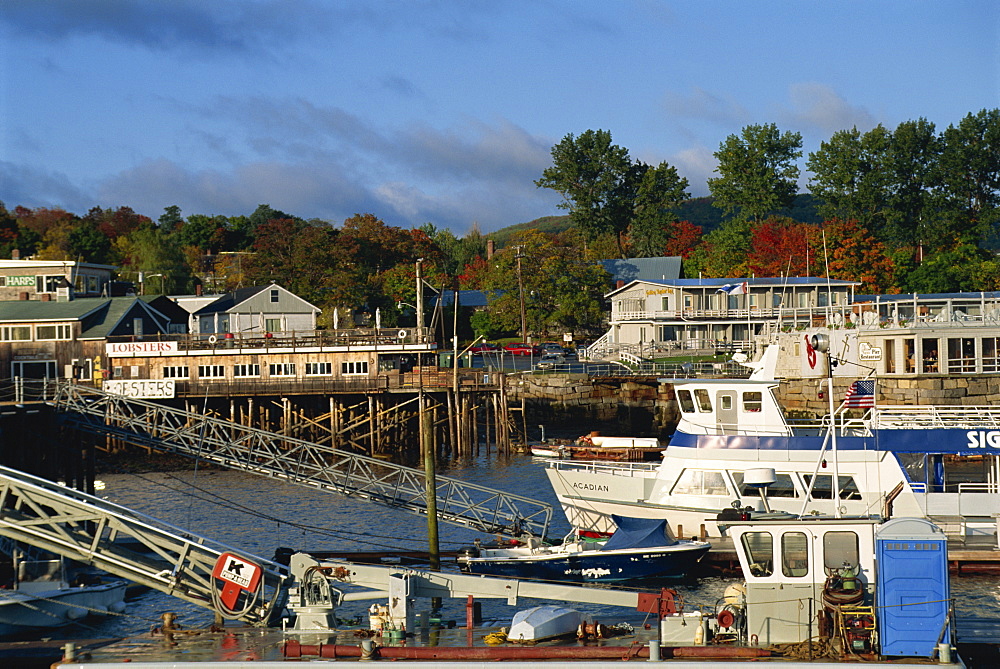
pixel 726 412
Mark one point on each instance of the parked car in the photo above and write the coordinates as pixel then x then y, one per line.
pixel 484 347
pixel 521 348
pixel 550 360
pixel 551 347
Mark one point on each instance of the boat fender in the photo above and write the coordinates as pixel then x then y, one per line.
pixel 75 612
pixel 117 607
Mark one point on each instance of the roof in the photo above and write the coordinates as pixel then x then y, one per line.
pixel 466 298
pixel 102 322
pixel 50 264
pixel 37 310
pixel 642 269
pixel 909 297
pixel 229 300
pixel 762 282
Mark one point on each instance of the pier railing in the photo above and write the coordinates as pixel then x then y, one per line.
pixel 297 461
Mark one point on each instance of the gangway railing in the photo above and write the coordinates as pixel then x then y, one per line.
pixel 131 545
pixel 322 467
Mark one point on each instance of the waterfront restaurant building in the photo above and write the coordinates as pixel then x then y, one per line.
pixel 656 316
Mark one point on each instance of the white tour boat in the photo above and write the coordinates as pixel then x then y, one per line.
pixel 735 447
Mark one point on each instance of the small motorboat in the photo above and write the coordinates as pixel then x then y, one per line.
pixel 640 548
pixel 543 622
pixel 597 447
pixel 43 598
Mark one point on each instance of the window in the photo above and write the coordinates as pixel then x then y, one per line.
pixel 176 372
pixel 753 401
pixel 929 349
pixel 272 325
pixel 137 327
pixel 961 355
pixel 53 332
pixel 759 547
pixel 83 369
pixel 752 300
pixel 93 284
pixel 704 401
pixel 991 360
pixel 281 369
pixel 890 356
pixel 319 368
pixel 354 367
pixel 824 484
pixel 665 304
pixel 15 333
pixel 725 402
pixel 49 284
pixel 839 549
pixel 689 302
pixel 782 486
pixel 685 401
pixel 211 372
pixel 274 295
pixel 246 370
pixel 909 356
pixel 700 482
pixel 794 554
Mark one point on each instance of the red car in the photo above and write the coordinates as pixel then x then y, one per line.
pixel 521 349
pixel 484 347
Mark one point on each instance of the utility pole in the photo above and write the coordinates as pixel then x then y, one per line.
pixel 520 290
pixel 419 339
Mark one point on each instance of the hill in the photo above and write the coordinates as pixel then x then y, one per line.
pixel 698 211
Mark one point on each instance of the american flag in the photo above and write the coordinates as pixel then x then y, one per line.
pixel 860 394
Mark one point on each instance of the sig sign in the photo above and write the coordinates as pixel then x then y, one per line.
pixel 237 576
pixel 153 389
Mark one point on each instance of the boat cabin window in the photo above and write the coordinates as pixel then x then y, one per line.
pixel 684 399
pixel 700 482
pixel 839 549
pixel 824 484
pixel 794 554
pixel 759 547
pixel 752 401
pixel 725 402
pixel 704 402
pixel 782 486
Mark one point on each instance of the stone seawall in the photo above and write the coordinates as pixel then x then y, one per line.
pixel 647 408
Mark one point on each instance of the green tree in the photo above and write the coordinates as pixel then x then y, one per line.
pixel 968 180
pixel 659 193
pixel 597 181
pixel 851 177
pixel 757 172
pixel 171 218
pixel 151 250
pixel 912 158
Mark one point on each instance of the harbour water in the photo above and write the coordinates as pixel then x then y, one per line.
pixel 259 515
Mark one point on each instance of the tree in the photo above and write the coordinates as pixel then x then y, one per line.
pixel 851 177
pixel 782 247
pixel 914 152
pixel 855 255
pixel 968 180
pixel 757 172
pixel 150 250
pixel 724 252
pixel 597 181
pixel 683 238
pixel 171 218
pixel 659 193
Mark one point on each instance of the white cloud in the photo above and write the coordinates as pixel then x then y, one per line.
pixel 819 107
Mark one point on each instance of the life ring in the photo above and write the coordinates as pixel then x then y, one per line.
pixel 212 339
pixel 402 334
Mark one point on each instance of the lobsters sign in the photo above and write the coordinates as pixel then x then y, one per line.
pixel 142 388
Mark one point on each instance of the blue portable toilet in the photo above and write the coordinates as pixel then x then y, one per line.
pixel 912 593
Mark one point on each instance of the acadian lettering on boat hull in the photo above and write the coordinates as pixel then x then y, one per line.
pixel 593 487
pixel 984 438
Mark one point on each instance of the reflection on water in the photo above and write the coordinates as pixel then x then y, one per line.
pixel 258 515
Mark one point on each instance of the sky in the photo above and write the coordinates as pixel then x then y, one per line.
pixel 445 112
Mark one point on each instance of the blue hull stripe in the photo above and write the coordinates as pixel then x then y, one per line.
pixel 934 440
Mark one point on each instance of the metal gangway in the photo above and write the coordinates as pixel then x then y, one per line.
pixel 322 467
pixel 129 544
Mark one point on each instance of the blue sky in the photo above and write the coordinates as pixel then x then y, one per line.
pixel 444 112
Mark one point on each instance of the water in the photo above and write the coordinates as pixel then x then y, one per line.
pixel 258 515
